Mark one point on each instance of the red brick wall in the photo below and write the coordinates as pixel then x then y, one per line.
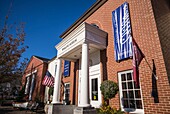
pixel 72 80
pixel 41 77
pixel 41 68
pixel 146 35
pixel 162 16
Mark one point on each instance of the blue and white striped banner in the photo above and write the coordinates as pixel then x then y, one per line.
pixel 66 68
pixel 122 32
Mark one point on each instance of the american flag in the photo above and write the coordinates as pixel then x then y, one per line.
pixel 48 80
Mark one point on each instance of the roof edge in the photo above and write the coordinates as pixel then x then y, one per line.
pixel 42 59
pixel 52 59
pixel 88 13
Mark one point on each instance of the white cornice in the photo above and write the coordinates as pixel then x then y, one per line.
pixel 83 33
pixel 31 73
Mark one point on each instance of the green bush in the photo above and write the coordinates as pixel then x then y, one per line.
pixel 50 92
pixel 106 109
pixel 109 89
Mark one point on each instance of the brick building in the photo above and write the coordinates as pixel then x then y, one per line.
pixel 33 77
pixel 89 45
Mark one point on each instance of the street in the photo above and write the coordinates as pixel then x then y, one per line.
pixel 11 110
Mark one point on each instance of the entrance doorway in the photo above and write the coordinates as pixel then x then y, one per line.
pixel 94 80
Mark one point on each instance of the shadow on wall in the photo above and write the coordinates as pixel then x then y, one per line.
pixel 104 64
pixel 104 61
pixel 161 9
pixel 154 92
pixel 76 65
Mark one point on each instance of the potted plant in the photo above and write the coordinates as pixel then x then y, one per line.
pixel 109 90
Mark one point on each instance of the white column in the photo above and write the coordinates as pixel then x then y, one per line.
pixel 56 92
pixel 84 85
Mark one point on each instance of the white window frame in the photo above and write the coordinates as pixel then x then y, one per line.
pixel 97 88
pixel 65 89
pixel 27 84
pixel 35 71
pixel 131 110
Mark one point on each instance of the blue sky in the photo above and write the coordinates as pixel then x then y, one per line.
pixel 45 21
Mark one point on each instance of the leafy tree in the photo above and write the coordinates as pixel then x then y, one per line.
pixel 12 46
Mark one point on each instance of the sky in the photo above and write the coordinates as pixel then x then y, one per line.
pixel 45 21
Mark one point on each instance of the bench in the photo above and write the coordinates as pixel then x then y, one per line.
pixel 32 106
pixel 20 105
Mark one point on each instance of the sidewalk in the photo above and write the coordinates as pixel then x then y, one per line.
pixel 11 110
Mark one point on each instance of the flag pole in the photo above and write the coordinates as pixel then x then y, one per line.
pixel 151 69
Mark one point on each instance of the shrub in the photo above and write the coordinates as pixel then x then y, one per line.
pixel 50 92
pixel 106 109
pixel 109 89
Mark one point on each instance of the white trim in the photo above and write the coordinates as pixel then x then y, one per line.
pixel 94 72
pixel 84 33
pixel 31 73
pixel 136 111
pixel 52 67
pixel 65 89
pixel 56 92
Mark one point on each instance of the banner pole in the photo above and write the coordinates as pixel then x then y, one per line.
pixel 151 69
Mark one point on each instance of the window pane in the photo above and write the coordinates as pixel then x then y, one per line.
pixel 123 77
pixel 131 94
pixel 67 92
pixel 132 103
pixel 139 104
pixel 130 85
pixel 124 85
pixel 129 76
pixel 95 89
pixel 137 94
pixel 125 94
pixel 67 86
pixel 125 104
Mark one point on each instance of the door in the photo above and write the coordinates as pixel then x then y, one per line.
pixel 94 80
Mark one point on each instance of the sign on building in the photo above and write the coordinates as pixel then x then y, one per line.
pixel 66 68
pixel 122 32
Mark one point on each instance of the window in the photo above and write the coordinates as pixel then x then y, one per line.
pixel 55 70
pixel 66 91
pixel 95 25
pixel 94 89
pixel 27 86
pixel 130 95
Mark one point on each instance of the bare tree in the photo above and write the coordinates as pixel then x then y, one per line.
pixel 12 46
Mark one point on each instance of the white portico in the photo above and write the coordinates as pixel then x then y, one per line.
pixel 79 44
